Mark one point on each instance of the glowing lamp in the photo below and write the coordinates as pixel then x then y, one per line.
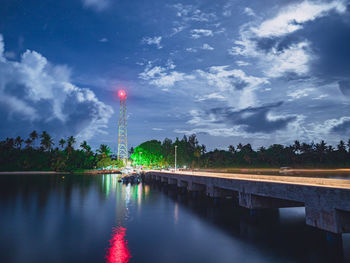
pixel 122 94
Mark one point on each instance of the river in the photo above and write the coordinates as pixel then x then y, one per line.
pixel 87 218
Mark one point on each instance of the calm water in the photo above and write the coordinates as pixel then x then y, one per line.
pixel 82 218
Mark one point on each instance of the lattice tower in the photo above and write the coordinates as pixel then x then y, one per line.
pixel 122 130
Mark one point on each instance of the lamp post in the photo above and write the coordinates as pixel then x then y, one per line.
pixel 175 156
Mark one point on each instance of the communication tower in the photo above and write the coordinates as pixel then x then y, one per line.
pixel 122 130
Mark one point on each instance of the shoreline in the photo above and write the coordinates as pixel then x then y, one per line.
pixel 32 172
pixel 54 172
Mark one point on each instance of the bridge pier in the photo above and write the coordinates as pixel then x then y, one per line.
pixel 195 187
pixel 164 179
pixel 331 220
pixel 182 185
pixel 252 201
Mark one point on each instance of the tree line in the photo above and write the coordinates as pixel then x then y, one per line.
pixel 37 152
pixel 192 154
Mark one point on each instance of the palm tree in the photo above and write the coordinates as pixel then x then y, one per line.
pixel 70 141
pixel 231 149
pixel 46 141
pixel 203 149
pixel 18 142
pixel 62 142
pixel 341 146
pixel 104 150
pixel 70 144
pixel 85 147
pixel 28 143
pixel 33 136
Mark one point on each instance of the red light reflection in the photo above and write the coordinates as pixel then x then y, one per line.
pixel 118 251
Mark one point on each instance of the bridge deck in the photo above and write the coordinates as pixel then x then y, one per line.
pixel 299 180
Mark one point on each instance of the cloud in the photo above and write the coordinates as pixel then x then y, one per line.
pixel 253 119
pixel 103 40
pixel 275 42
pixel 341 126
pixel 248 11
pixel 197 33
pixel 344 87
pixel 227 8
pixel 177 30
pixel 98 5
pixel 227 121
pixel 300 93
pixel 235 83
pixel 242 63
pixel 207 47
pixel 191 13
pixel 163 77
pixel 157 129
pixel 36 93
pixel 294 16
pixel 153 41
pixel 211 96
pixel 191 49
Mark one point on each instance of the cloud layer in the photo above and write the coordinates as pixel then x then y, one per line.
pixel 40 95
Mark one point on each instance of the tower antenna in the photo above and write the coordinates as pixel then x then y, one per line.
pixel 122 131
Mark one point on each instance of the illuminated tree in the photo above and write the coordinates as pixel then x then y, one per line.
pixel 148 154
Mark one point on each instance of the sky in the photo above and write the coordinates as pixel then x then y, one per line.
pixel 230 71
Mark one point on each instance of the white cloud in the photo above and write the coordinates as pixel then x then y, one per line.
pixel 274 63
pixel 300 93
pixel 35 90
pixel 207 47
pixel 197 33
pixel 234 83
pixel 10 54
pixel 320 97
pixel 292 17
pixel 294 59
pixel 162 76
pixel 248 11
pixel 98 5
pixel 323 129
pixel 191 49
pixel 103 40
pixel 211 96
pixel 157 129
pixel 226 13
pixel 227 8
pixel 153 41
pixel 177 30
pixel 242 63
pixel 2 48
pixel 191 13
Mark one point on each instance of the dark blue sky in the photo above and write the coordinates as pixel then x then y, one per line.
pixel 230 71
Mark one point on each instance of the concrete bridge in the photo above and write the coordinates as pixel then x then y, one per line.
pixel 326 201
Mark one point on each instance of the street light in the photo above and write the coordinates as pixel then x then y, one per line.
pixel 175 156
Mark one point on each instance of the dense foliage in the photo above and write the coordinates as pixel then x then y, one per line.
pixel 37 153
pixel 191 154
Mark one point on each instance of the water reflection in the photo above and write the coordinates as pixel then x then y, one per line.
pixel 43 217
pixel 118 251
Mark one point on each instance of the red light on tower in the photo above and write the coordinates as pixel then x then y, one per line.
pixel 122 94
